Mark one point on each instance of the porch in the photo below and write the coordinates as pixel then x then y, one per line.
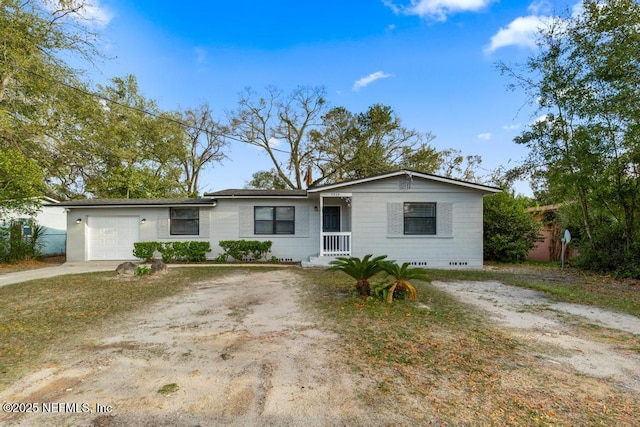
pixel 335 225
pixel 335 244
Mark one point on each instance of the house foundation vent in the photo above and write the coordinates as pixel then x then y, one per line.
pixel 268 259
pixel 458 263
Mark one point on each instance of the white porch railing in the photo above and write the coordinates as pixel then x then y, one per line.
pixel 336 244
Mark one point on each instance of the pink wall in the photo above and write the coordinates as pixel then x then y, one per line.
pixel 542 250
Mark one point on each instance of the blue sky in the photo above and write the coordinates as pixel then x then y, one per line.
pixel 432 61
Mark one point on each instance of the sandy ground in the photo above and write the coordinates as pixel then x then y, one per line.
pixel 536 319
pixel 240 350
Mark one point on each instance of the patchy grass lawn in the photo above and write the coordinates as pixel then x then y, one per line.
pixel 41 314
pixel 438 361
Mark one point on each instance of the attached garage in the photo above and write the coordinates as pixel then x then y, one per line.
pixel 112 237
pixel 106 229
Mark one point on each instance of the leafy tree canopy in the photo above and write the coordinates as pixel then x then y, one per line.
pixel 510 232
pixel 585 146
pixel 21 182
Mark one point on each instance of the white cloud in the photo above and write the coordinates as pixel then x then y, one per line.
pixel 90 13
pixel 540 7
pixel 522 32
pixel 438 9
pixel 391 5
pixel 486 136
pixel 274 142
pixel 365 81
pixel 511 127
pixel 96 14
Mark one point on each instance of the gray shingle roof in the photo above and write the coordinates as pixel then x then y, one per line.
pixel 242 192
pixel 134 202
pixel 408 172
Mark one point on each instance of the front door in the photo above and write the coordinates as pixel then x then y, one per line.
pixel 330 219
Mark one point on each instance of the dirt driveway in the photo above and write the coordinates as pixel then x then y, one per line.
pixel 240 350
pixel 235 351
pixel 536 319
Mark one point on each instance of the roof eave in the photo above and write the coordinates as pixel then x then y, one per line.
pixel 233 196
pixel 437 178
pixel 149 204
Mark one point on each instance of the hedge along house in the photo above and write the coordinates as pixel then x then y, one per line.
pixel 424 219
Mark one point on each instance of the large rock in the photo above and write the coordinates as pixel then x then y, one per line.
pixel 126 269
pixel 158 267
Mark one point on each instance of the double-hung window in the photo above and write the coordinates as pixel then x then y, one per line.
pixel 274 219
pixel 184 221
pixel 420 218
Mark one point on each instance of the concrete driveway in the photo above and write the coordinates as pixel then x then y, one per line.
pixel 59 270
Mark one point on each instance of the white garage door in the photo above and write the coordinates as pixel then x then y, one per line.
pixel 112 238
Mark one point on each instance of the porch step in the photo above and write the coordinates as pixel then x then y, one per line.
pixel 318 261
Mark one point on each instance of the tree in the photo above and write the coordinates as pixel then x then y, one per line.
pixel 301 138
pixel 453 164
pixel 401 275
pixel 335 144
pixel 586 144
pixel 21 182
pixel 280 126
pixel 133 148
pixel 352 146
pixel 266 180
pixel 510 232
pixel 43 102
pixel 34 80
pixel 202 145
pixel 360 269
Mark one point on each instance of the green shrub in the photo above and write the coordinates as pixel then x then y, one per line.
pixel 245 249
pixel 510 232
pixel 142 270
pixel 222 258
pixel 173 251
pixel 197 251
pixel 185 251
pixel 170 252
pixel 145 250
pixel 14 246
pixel 360 269
pixel 609 254
pixel 400 287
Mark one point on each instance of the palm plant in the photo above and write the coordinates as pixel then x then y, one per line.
pixel 359 269
pixel 401 274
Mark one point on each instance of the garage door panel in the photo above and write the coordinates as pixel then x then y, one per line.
pixel 112 238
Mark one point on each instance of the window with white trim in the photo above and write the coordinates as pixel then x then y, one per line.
pixel 419 218
pixel 274 219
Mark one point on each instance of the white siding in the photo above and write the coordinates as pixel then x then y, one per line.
pixel 373 214
pixel 155 227
pixel 52 218
pixel 233 220
pixel 377 225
